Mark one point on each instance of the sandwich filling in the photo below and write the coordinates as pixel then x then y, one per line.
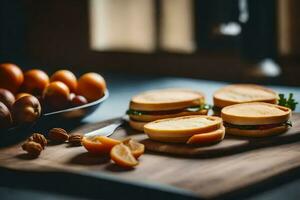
pixel 257 127
pixel 167 112
pixel 216 109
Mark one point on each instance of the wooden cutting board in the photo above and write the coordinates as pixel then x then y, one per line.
pixel 212 173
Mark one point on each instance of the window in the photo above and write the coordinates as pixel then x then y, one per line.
pixel 142 25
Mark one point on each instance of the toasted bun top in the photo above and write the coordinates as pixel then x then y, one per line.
pixel 166 99
pixel 256 113
pixel 184 125
pixel 243 93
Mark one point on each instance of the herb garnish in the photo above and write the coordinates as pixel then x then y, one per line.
pixel 289 102
pixel 289 123
pixel 133 112
pixel 198 108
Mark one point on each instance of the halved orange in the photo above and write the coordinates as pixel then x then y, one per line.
pixel 136 148
pixel 99 144
pixel 209 137
pixel 122 156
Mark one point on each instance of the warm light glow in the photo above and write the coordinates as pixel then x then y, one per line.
pixel 122 25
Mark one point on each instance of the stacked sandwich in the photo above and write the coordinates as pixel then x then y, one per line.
pixel 256 119
pixel 251 110
pixel 165 103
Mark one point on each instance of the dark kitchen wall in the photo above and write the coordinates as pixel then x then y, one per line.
pixel 44 33
pixel 12 31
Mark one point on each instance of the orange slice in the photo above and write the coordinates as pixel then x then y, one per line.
pixel 99 144
pixel 209 137
pixel 108 141
pixel 136 148
pixel 122 156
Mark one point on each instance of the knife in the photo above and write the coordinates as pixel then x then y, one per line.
pixel 105 131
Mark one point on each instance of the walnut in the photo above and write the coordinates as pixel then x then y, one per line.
pixel 58 135
pixel 75 139
pixel 33 148
pixel 38 138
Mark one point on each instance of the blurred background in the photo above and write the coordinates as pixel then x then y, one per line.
pixel 228 40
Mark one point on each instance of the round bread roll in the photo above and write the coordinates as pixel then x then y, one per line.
pixel 180 129
pixel 166 99
pixel 256 113
pixel 243 93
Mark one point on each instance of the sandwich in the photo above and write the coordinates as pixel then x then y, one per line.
pixel 194 129
pixel 256 119
pixel 164 103
pixel 242 93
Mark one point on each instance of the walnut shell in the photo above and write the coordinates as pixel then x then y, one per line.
pixel 34 149
pixel 58 135
pixel 75 139
pixel 38 138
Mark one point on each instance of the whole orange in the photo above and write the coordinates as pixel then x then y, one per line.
pixel 35 81
pixel 11 77
pixel 67 77
pixel 56 96
pixel 92 86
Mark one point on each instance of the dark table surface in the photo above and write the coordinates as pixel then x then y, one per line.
pixel 18 185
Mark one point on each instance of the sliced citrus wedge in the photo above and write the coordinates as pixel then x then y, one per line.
pixel 110 142
pixel 99 144
pixel 122 156
pixel 209 137
pixel 136 148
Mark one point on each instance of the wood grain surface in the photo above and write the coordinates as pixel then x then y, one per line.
pixel 233 164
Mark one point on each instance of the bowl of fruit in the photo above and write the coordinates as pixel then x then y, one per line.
pixel 33 97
